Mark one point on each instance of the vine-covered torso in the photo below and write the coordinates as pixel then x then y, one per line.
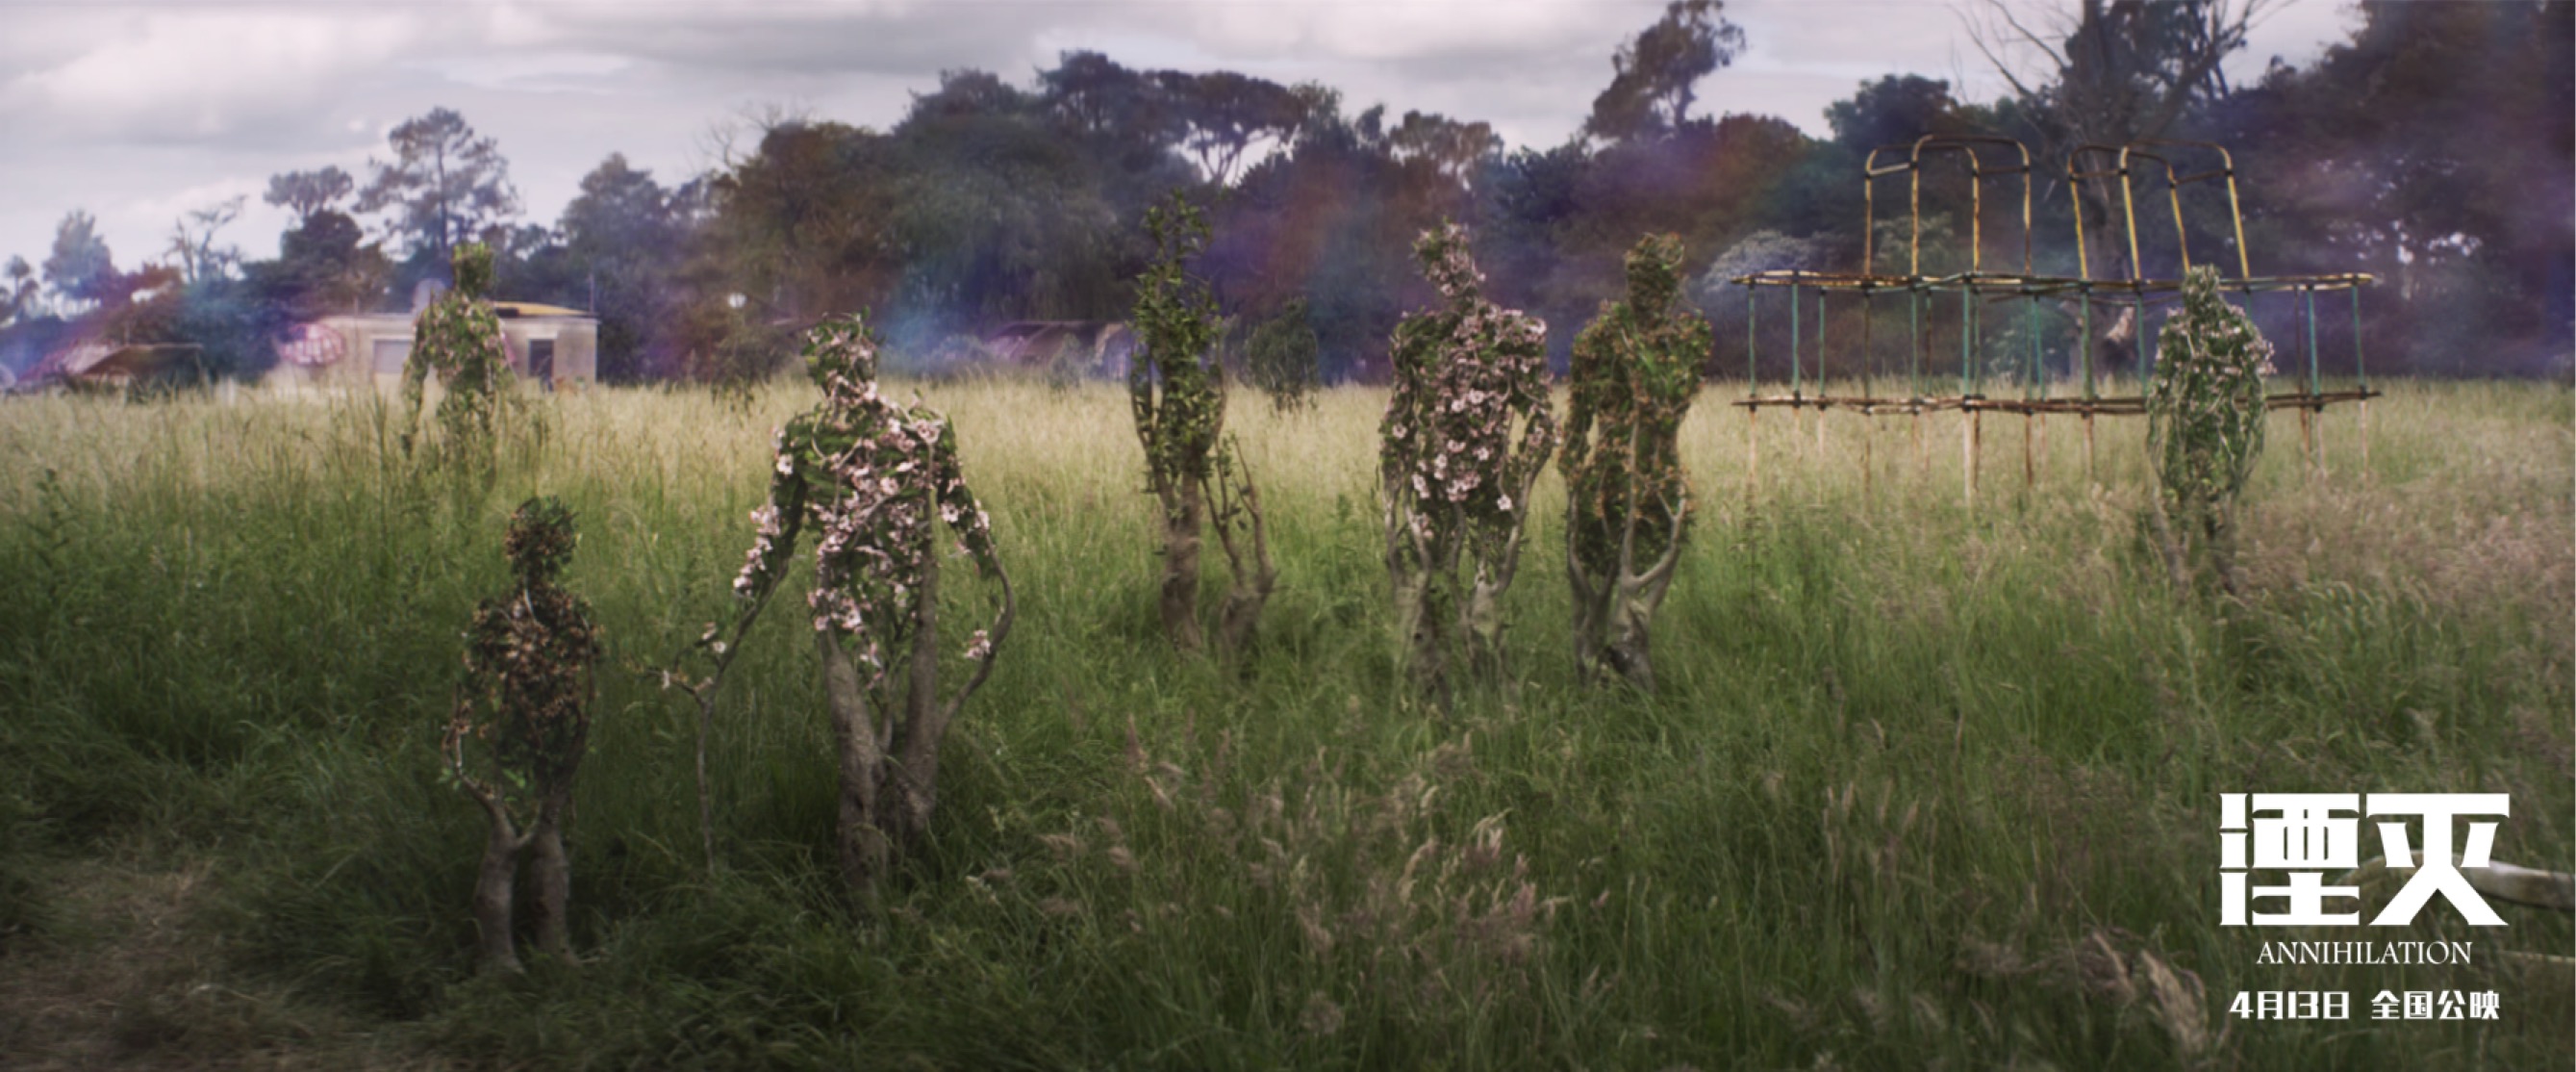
pixel 526 688
pixel 459 338
pixel 874 478
pixel 1465 376
pixel 1635 368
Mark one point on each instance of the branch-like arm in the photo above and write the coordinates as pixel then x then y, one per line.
pixel 992 643
pixel 415 370
pixel 458 726
pixel 781 520
pixel 1660 574
pixel 965 516
pixel 1140 402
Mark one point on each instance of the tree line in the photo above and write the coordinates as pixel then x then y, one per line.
pixel 2430 148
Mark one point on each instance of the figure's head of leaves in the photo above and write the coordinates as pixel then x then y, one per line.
pixel 472 264
pixel 1178 228
pixel 1447 262
pixel 1654 272
pixel 540 538
pixel 841 354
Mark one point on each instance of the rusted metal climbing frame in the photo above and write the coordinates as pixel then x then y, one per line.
pixel 1979 289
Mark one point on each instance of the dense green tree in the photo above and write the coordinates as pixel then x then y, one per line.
pixel 80 268
pixel 19 294
pixel 324 266
pixel 2405 152
pixel 192 241
pixel 623 240
pixel 309 193
pixel 1227 114
pixel 1658 72
pixel 444 185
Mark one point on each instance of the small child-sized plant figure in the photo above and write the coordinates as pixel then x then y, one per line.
pixel 1635 369
pixel 2205 420
pixel 875 478
pixel 520 726
pixel 1282 359
pixel 459 338
pixel 1177 392
pixel 1466 434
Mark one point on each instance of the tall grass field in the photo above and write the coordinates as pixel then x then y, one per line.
pixel 1925 783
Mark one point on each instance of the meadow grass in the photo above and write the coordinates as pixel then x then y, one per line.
pixel 1923 784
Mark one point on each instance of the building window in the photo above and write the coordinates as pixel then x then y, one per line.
pixel 390 355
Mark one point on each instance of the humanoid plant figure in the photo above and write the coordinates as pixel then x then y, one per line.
pixel 520 726
pixel 1283 359
pixel 1635 369
pixel 2205 419
pixel 1177 393
pixel 459 338
pixel 875 479
pixel 1466 434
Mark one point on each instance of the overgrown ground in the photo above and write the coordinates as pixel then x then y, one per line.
pixel 1922 787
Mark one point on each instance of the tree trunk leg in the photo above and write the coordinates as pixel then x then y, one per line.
pixel 554 880
pixel 861 843
pixel 1181 546
pixel 1482 618
pixel 1631 652
pixel 1422 635
pixel 2169 545
pixel 1589 620
pixel 494 886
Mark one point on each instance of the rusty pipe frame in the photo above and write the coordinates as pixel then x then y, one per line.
pixel 2226 170
pixel 1978 171
pixel 2076 174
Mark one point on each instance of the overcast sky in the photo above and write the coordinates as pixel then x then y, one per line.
pixel 141 111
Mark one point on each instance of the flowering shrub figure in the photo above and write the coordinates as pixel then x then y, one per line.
pixel 2205 420
pixel 1466 434
pixel 459 338
pixel 1177 392
pixel 875 479
pixel 520 726
pixel 1635 369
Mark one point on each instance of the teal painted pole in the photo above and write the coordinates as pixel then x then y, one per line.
pixel 1967 341
pixel 1796 383
pixel 2313 387
pixel 2084 339
pixel 1914 352
pixel 2147 358
pixel 1752 383
pixel 2033 387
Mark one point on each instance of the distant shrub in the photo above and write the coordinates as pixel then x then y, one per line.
pixel 1284 359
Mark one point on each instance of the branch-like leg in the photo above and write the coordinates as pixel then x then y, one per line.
pixel 860 838
pixel 1238 500
pixel 554 877
pixel 495 884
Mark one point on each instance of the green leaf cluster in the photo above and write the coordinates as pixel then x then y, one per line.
pixel 1176 390
pixel 459 338
pixel 1284 358
pixel 1635 370
pixel 2205 410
